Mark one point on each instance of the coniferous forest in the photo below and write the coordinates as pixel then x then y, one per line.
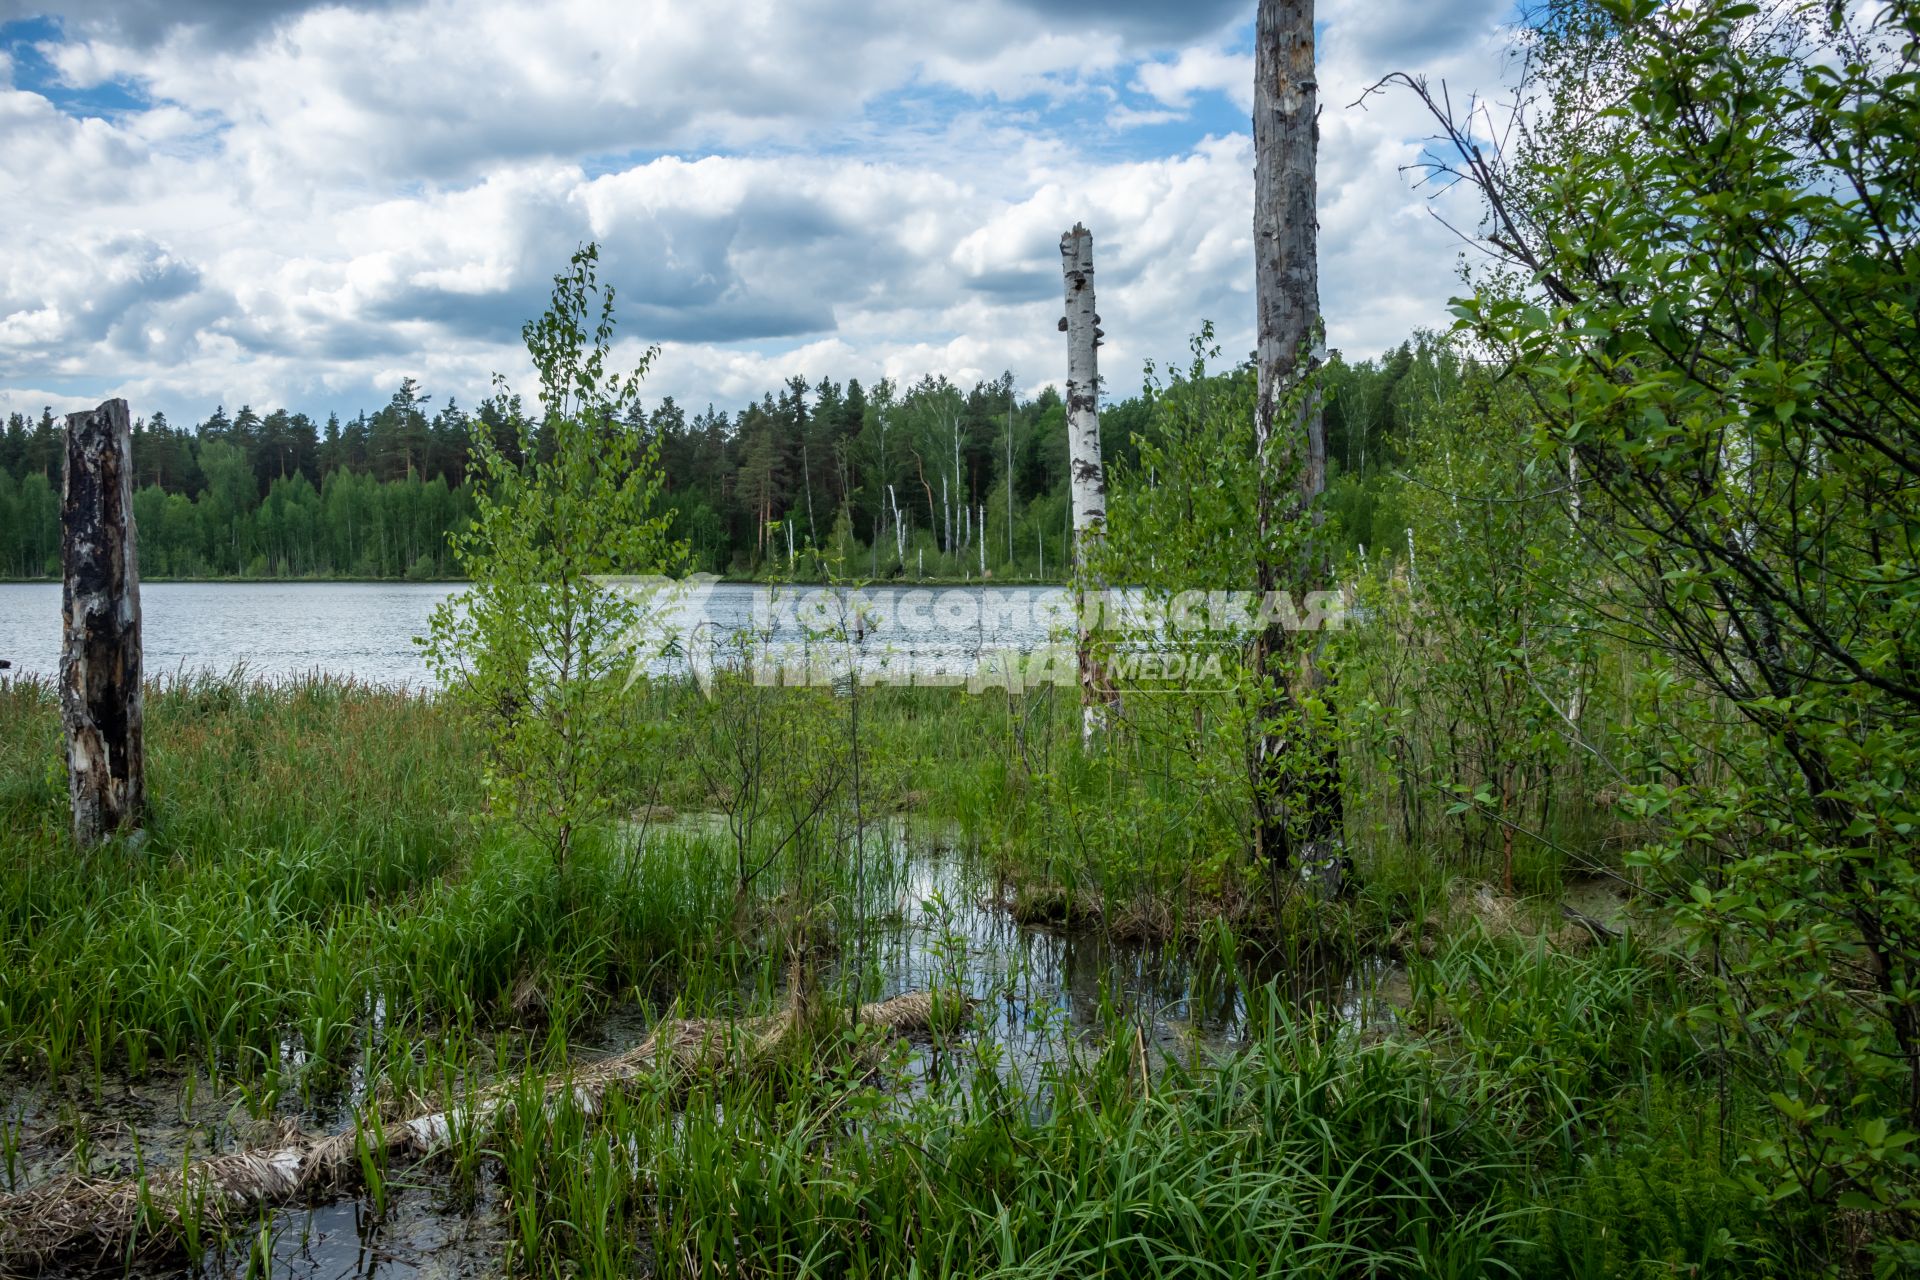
pixel 243 494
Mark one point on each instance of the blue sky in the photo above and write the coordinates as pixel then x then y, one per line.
pixel 224 202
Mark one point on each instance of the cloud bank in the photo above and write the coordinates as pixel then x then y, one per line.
pixel 213 201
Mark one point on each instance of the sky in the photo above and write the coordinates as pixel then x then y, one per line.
pixel 284 203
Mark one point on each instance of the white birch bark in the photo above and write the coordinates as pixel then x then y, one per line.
pixel 1087 480
pixel 959 497
pixel 40 1225
pixel 1010 551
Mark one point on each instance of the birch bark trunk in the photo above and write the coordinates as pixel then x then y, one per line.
pixel 1087 479
pixel 1296 791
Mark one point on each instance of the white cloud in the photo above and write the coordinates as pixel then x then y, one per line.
pixel 1194 70
pixel 447 88
pixel 345 197
pixel 1379 36
pixel 1125 117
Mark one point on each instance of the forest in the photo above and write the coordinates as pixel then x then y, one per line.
pixel 1550 910
pixel 897 482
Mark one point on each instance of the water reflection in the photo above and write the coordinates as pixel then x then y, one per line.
pixel 1044 991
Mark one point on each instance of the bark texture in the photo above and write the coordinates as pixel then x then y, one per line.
pixel 77 1214
pixel 100 695
pixel 1294 799
pixel 1087 479
pixel 1286 232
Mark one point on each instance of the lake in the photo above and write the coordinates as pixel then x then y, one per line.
pixel 366 630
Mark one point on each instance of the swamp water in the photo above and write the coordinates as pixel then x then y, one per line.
pixel 1044 997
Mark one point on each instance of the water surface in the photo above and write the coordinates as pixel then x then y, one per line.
pixel 367 630
pixel 364 630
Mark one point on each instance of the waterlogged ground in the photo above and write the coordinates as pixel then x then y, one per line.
pixel 1043 990
pixel 1043 993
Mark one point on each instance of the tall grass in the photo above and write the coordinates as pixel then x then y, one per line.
pixel 1309 1152
pixel 310 870
pixel 317 910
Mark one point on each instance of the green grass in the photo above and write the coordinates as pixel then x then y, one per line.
pixel 319 914
pixel 1297 1153
pixel 310 859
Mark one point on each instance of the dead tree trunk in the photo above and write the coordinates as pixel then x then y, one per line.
pixel 1087 479
pixel 40 1225
pixel 100 698
pixel 1296 791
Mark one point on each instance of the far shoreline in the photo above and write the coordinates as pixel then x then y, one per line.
pixel 456 582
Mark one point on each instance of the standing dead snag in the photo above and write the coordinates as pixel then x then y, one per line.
pixel 1087 479
pixel 1295 792
pixel 100 698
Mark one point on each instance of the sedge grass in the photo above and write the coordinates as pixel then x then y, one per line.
pixel 316 912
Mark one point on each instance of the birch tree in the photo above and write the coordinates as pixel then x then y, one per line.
pixel 538 643
pixel 1296 766
pixel 1086 479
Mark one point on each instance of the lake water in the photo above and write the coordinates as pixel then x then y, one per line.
pixel 359 629
pixel 366 630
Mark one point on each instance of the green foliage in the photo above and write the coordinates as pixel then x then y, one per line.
pixel 1708 225
pixel 29 525
pixel 538 647
pixel 1299 1156
pixel 311 906
pixel 776 760
pixel 1636 601
pixel 308 858
pixel 1555 1034
pixel 1653 1204
pixel 932 467
pixel 1474 686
